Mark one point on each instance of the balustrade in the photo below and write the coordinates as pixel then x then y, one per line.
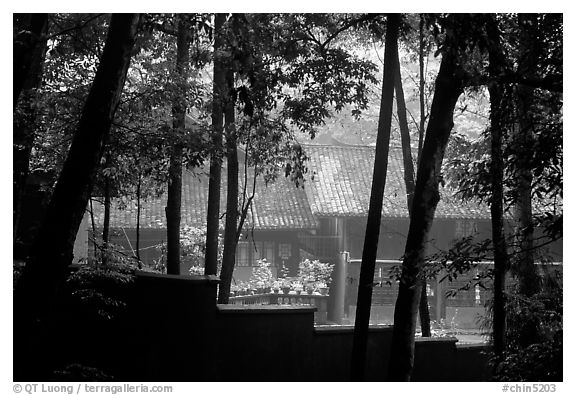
pixel 292 298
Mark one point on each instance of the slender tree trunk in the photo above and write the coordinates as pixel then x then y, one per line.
pixel 498 111
pixel 523 264
pixel 32 29
pixel 219 94
pixel 232 193
pixel 25 121
pixel 404 137
pixel 53 249
pixel 449 86
pixel 174 201
pixel 138 211
pixel 525 268
pixel 528 278
pixel 366 281
pixel 422 87
pixel 106 225
pixel 410 184
pixel 498 238
pixel 107 204
pixel 423 307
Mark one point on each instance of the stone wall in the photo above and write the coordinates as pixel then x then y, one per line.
pixel 174 331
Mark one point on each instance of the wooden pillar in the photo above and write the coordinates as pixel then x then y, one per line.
pixel 342 234
pixel 440 300
pixel 338 288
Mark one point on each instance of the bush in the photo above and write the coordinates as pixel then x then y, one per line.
pixel 534 334
pixel 262 276
pixel 314 274
pixel 100 289
pixel 537 362
pixel 192 251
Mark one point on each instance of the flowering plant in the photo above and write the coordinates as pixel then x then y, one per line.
pixel 261 275
pixel 315 273
pixel 285 282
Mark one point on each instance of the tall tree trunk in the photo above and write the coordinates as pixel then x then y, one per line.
pixel 366 281
pixel 449 86
pixel 138 211
pixel 528 279
pixel 106 224
pixel 174 201
pixel 53 249
pixel 219 94
pixel 423 307
pixel 523 264
pixel 25 121
pixel 422 86
pixel 498 109
pixel 410 184
pixel 231 226
pixel 30 34
pixel 498 238
pixel 107 205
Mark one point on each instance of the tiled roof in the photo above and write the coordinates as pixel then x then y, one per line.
pixel 342 180
pixel 341 184
pixel 279 205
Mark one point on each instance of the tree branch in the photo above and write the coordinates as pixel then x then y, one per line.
pixel 351 23
pixel 77 27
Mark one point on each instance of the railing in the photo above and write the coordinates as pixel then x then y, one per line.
pixel 386 290
pixel 474 296
pixel 292 298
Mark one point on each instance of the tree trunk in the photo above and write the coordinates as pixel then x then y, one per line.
pixel 174 201
pixel 107 204
pixel 525 268
pixel 138 211
pixel 25 122
pixel 32 29
pixel 423 307
pixel 404 137
pixel 528 279
pixel 53 249
pixel 498 111
pixel 365 284
pixel 219 94
pixel 422 86
pixel 498 238
pixel 231 226
pixel 410 184
pixel 449 86
pixel 106 224
pixel 523 264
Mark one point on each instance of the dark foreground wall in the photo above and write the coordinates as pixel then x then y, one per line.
pixel 174 331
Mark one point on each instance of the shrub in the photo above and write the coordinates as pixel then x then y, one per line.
pixel 192 251
pixel 537 362
pixel 262 276
pixel 315 273
pixel 533 334
pixel 100 289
